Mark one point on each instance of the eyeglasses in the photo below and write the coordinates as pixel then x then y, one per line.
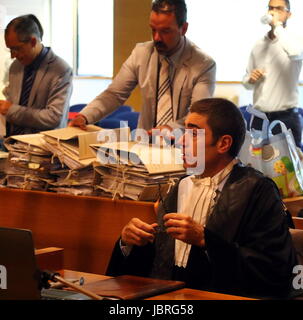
pixel 278 8
pixel 19 48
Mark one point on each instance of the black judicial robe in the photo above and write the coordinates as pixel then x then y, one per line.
pixel 248 247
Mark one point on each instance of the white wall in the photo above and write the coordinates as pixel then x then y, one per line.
pixel 241 96
pixel 40 8
pixel 85 90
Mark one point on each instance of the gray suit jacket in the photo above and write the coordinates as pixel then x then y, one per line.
pixel 49 98
pixel 194 80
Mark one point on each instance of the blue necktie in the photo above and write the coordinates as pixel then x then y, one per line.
pixel 29 76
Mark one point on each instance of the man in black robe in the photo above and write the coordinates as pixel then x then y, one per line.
pixel 224 229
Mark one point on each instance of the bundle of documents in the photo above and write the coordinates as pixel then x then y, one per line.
pixel 71 145
pixel 71 161
pixel 136 171
pixel 3 161
pixel 27 143
pixel 75 182
pixel 28 163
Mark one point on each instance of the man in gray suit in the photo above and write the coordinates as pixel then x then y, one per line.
pixel 191 73
pixel 40 83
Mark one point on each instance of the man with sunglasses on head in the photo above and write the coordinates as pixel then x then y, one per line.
pixel 40 83
pixel 273 71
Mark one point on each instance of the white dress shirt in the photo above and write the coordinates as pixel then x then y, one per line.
pixel 281 60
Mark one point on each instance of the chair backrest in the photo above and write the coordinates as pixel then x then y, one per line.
pixel 118 111
pixel 77 107
pixel 123 113
pixel 17 255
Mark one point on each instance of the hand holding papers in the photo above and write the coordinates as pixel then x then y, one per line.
pixel 71 144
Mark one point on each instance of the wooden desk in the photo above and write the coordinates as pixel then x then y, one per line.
pixel 86 227
pixel 191 294
pixel 50 258
pixel 298 222
pixel 182 294
pixel 88 277
pixel 294 205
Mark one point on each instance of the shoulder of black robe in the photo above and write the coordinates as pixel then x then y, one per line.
pixel 247 237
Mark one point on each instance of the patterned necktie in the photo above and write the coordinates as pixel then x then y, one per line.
pixel 28 81
pixel 29 76
pixel 164 110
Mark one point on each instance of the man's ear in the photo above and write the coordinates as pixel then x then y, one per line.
pixel 184 28
pixel 224 143
pixel 33 41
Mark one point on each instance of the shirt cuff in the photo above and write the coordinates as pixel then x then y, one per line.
pixel 125 248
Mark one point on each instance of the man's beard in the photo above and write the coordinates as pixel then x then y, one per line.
pixel 160 46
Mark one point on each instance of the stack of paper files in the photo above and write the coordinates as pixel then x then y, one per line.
pixel 3 160
pixel 136 171
pixel 71 145
pixel 75 182
pixel 28 163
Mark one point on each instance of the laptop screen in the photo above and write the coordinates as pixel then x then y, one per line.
pixel 20 281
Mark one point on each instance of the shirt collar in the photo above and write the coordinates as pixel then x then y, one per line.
pixel 37 61
pixel 175 57
pixel 218 178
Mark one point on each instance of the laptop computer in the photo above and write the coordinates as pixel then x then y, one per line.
pixel 21 279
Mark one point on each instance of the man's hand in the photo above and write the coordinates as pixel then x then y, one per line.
pixel 184 228
pixel 275 19
pixel 4 106
pixel 256 75
pixel 139 233
pixel 164 133
pixel 79 121
pixel 163 129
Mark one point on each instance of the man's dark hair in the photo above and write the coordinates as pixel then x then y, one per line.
pixel 178 7
pixel 26 26
pixel 223 118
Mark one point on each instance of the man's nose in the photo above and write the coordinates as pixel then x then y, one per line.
pixel 13 54
pixel 157 36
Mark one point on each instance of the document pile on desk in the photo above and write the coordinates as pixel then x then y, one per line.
pixel 73 161
pixel 71 145
pixel 136 171
pixel 78 182
pixel 3 161
pixel 29 163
